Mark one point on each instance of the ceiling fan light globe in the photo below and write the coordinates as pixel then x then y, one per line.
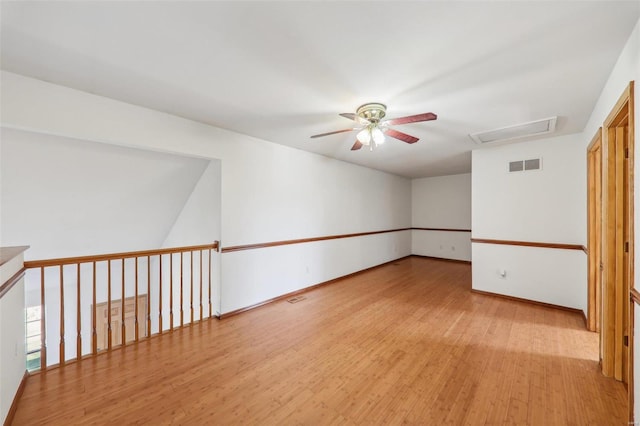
pixel 377 136
pixel 364 136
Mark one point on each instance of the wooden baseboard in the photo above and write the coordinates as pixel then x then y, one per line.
pixel 467 262
pixel 531 302
pixel 14 404
pixel 304 290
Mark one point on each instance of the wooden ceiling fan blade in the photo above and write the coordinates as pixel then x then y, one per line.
pixel 356 146
pixel 401 136
pixel 332 133
pixel 427 116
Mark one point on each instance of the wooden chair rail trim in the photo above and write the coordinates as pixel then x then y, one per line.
pixel 305 240
pixel 442 229
pixel 14 404
pixel 304 290
pixel 634 295
pixel 8 285
pixel 113 256
pixel 531 244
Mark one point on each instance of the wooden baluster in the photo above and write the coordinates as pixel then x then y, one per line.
pixel 78 261
pixel 123 328
pixel 109 304
pixel 62 356
pixel 200 285
pixel 43 328
pixel 79 319
pixel 137 331
pixel 94 332
pixel 171 291
pixel 210 311
pixel 191 292
pixel 148 297
pixel 181 295
pixel 160 296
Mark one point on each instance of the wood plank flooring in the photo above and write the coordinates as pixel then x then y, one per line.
pixel 403 343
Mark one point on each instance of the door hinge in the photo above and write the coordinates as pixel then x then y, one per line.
pixel 626 246
pixel 626 340
pixel 626 153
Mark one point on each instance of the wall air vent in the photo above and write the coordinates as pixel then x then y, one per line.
pixel 524 165
pixel 516 166
pixel 532 128
pixel 533 164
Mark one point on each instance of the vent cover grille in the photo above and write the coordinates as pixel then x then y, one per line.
pixel 532 128
pixel 525 165
pixel 516 166
pixel 533 164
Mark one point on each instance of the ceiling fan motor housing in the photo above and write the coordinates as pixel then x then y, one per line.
pixel 374 112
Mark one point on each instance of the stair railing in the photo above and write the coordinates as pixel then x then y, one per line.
pixel 108 301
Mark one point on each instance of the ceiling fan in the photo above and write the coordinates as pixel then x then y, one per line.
pixel 372 129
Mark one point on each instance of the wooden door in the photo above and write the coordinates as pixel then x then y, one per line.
pixel 617 238
pixel 116 321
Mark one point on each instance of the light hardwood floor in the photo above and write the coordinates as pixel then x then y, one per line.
pixel 403 343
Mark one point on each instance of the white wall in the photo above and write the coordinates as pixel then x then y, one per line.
pixel 13 357
pixel 269 192
pixel 441 202
pixel 199 220
pixel 545 275
pixel 303 265
pixel 547 205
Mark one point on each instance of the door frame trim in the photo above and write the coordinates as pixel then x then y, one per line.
pixel 594 234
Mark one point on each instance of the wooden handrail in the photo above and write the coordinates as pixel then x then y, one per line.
pixel 116 256
pixel 8 285
pixel 531 244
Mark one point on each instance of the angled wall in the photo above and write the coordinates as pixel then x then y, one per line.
pixel 70 197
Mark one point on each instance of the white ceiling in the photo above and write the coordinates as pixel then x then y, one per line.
pixel 282 71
